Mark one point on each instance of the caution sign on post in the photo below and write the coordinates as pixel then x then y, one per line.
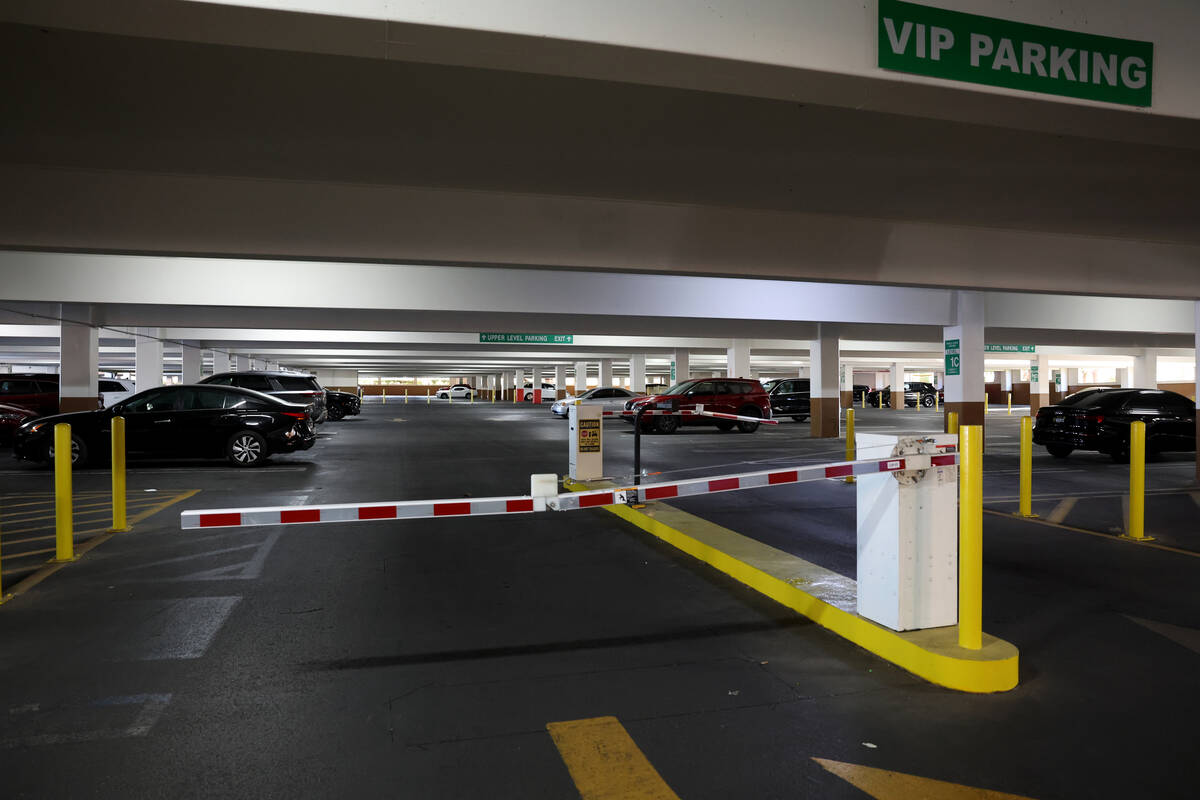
pixel 586 442
pixel 589 436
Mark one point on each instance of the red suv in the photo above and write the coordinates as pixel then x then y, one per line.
pixel 742 396
pixel 37 392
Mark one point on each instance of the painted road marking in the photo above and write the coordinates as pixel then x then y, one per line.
pixel 187 628
pixel 884 784
pixel 605 763
pixel 1196 497
pixel 152 707
pixel 1188 637
pixel 1062 509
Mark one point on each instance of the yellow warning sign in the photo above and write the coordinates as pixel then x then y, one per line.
pixel 589 436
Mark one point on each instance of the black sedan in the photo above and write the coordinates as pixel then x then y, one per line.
pixel 340 405
pixel 241 425
pixel 1098 419
pixel 914 392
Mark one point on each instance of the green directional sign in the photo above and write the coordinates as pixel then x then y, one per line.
pixel 953 359
pixel 1010 348
pixel 526 338
pixel 955 46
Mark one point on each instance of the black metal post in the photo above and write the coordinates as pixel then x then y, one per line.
pixel 637 446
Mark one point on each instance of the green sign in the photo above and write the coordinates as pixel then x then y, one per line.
pixel 967 47
pixel 527 338
pixel 672 373
pixel 1009 348
pixel 953 361
pixel 1033 373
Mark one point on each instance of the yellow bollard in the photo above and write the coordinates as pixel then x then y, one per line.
pixel 120 523
pixel 937 404
pixel 383 394
pixel 64 530
pixel 1010 404
pixel 1026 493
pixel 952 422
pixel 849 440
pixel 864 401
pixel 970 538
pixel 1137 483
pixel 406 397
pixel 428 398
pixel 880 397
pixel 987 401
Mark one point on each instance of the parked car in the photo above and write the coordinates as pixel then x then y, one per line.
pixel 914 392
pixel 292 387
pixel 459 391
pixel 35 391
pixel 547 393
pixel 189 421
pixel 610 398
pixel 11 417
pixel 339 405
pixel 742 396
pixel 790 397
pixel 114 390
pixel 860 392
pixel 1098 419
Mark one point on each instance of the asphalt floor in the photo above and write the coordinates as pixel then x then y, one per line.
pixel 437 658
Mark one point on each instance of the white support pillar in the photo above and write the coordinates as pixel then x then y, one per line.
pixel 606 372
pixel 806 372
pixel 683 366
pixel 965 391
pixel 192 359
pixel 560 380
pixel 1145 369
pixel 148 359
pixel 896 384
pixel 825 384
pixel 739 359
pixel 581 371
pixel 637 372
pixel 221 362
pixel 1124 377
pixel 241 363
pixel 1039 382
pixel 1072 379
pixel 1006 380
pixel 79 357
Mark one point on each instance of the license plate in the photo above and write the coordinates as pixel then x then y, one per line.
pixel 1059 417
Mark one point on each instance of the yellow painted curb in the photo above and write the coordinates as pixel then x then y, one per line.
pixel 931 654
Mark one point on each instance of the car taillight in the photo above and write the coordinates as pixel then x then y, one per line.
pixel 1094 418
pixel 296 414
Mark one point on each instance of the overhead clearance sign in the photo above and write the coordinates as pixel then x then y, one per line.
pixel 967 47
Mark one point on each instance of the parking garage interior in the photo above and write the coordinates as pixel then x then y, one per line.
pixel 396 198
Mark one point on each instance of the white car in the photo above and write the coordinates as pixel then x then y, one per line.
pixel 547 393
pixel 459 391
pixel 113 390
pixel 610 398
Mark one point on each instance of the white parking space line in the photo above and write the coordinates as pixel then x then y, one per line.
pixel 187 628
pixel 1061 510
pixel 152 708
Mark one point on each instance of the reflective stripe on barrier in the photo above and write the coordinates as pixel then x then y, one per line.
pixel 569 501
pixel 698 412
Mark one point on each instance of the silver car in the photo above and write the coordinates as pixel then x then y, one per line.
pixel 610 398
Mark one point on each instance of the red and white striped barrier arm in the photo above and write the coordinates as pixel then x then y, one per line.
pixel 746 480
pixel 660 412
pixel 569 501
pixel 356 512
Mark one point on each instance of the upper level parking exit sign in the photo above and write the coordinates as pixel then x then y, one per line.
pixel 953 359
pixel 967 47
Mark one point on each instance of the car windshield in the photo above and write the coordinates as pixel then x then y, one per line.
pixel 771 384
pixel 295 384
pixel 588 393
pixel 1089 397
pixel 679 388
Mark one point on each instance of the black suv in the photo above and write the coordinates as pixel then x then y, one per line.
pixel 293 387
pixel 789 398
pixel 340 405
pixel 914 392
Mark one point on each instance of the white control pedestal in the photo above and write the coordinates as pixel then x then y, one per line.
pixel 907 535
pixel 586 442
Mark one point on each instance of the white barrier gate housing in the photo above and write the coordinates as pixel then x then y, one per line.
pixel 586 460
pixel 908 535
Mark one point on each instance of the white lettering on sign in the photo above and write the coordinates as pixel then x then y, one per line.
pixel 1006 56
pixel 943 39
pixel 893 465
pixel 899 43
pixel 1060 61
pixel 981 46
pixel 1032 56
pixel 1106 68
pixel 1131 78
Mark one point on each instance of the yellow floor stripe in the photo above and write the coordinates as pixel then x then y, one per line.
pixel 1062 509
pixel 1109 536
pixel 605 763
pixel 883 784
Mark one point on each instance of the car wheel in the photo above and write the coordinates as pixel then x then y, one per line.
pixel 749 411
pixel 725 424
pixel 1059 450
pixel 79 452
pixel 927 401
pixel 336 413
pixel 246 449
pixel 668 424
pixel 800 417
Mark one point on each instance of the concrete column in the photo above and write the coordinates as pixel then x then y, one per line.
pixel 1006 380
pixel 683 366
pixel 580 377
pixel 1072 379
pixel 239 363
pixel 221 362
pixel 560 381
pixel 825 419
pixel 1039 383
pixel 1145 369
pixel 1196 388
pixel 964 391
pixel 606 375
pixel 637 372
pixel 739 358
pixel 896 384
pixel 1124 377
pixel 148 359
pixel 192 359
pixel 806 372
pixel 79 357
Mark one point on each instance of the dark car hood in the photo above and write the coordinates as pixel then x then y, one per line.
pixel 73 416
pixel 5 408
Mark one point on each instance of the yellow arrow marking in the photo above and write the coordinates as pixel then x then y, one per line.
pixel 605 763
pixel 883 784
pixel 399 419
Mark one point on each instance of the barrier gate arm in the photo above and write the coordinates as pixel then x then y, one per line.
pixel 698 411
pixel 568 501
